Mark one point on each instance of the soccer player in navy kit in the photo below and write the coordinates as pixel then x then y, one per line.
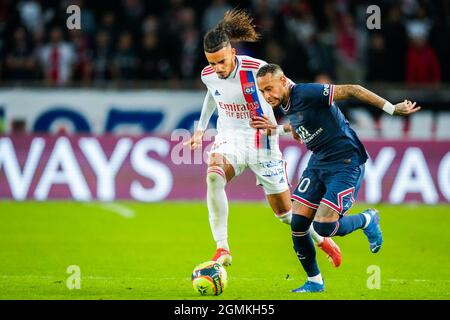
pixel 331 181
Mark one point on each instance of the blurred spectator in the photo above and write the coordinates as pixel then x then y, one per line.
pixel 348 57
pixel 20 62
pixel 124 63
pixel 323 78
pixel 376 59
pixel 133 12
pixel 57 58
pixel 214 13
pixel 422 64
pixel 171 18
pixel 420 25
pixel 191 50
pixel 150 24
pixel 109 25
pixel 395 39
pixel 162 40
pixel 408 7
pixel 83 56
pixel 320 55
pixel 155 65
pixel 31 15
pixel 191 45
pixel 274 53
pixel 4 15
pixel 300 22
pixel 440 28
pixel 102 57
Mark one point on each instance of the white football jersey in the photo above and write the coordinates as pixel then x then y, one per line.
pixel 237 99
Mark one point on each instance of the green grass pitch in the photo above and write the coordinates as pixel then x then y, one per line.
pixel 131 250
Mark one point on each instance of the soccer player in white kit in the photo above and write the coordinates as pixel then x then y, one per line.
pixel 231 83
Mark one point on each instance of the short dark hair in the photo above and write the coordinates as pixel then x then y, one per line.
pixel 269 68
pixel 235 26
pixel 215 40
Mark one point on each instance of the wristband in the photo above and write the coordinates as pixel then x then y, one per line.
pixel 389 108
pixel 280 130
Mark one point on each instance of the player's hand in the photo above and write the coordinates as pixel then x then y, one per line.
pixel 263 123
pixel 406 108
pixel 296 136
pixel 288 128
pixel 196 141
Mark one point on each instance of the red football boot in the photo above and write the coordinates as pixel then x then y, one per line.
pixel 332 251
pixel 222 256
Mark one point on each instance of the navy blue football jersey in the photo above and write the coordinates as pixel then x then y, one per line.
pixel 320 124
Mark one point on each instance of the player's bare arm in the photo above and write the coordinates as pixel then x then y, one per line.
pixel 343 92
pixel 208 108
pixel 196 141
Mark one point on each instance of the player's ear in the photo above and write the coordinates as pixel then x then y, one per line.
pixel 233 52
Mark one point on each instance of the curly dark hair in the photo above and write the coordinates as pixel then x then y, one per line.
pixel 235 26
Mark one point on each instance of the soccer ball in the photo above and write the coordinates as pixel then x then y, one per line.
pixel 209 278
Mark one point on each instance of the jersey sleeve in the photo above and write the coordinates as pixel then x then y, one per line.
pixel 209 105
pixel 317 93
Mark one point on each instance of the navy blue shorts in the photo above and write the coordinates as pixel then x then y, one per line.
pixel 335 184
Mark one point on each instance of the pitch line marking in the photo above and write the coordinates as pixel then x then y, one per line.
pixel 418 280
pixel 115 278
pixel 175 278
pixel 121 210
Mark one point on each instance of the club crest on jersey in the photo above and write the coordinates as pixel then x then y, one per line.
pixel 249 88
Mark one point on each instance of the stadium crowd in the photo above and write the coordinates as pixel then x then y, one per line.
pixel 128 40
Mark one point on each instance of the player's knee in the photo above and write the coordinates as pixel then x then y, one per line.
pixel 284 217
pixel 300 224
pixel 325 229
pixel 215 177
pixel 300 232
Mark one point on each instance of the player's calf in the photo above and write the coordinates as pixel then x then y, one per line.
pixel 217 205
pixel 304 247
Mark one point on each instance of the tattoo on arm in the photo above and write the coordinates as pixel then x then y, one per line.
pixel 343 92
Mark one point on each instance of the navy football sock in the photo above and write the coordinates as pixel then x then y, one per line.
pixel 341 227
pixel 304 245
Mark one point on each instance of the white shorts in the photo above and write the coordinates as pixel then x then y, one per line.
pixel 267 165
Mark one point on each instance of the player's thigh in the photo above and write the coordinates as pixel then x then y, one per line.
pixel 342 188
pixel 225 153
pixel 310 189
pixel 270 173
pixel 280 202
pixel 302 210
pixel 326 214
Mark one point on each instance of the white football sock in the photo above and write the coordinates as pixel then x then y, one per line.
pixel 316 279
pixel 368 218
pixel 217 206
pixel 316 237
pixel 285 217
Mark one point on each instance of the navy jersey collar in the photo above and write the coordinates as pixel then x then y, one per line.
pixel 286 108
